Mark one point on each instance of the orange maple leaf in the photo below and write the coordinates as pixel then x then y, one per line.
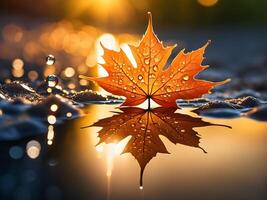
pixel 149 80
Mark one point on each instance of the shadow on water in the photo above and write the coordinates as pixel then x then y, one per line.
pixel 145 128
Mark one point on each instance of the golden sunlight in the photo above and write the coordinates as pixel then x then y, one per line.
pixel 108 41
pixel 102 11
pixel 111 151
pixel 207 3
pixel 125 47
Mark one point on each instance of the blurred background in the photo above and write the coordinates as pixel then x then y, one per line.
pixel 129 14
pixel 71 31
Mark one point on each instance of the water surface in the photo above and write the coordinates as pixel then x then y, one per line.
pixel 234 166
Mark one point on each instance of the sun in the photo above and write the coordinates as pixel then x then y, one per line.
pixel 101 10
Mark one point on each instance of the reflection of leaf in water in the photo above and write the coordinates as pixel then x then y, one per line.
pixel 145 126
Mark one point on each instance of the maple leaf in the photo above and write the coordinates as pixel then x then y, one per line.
pixel 145 126
pixel 149 80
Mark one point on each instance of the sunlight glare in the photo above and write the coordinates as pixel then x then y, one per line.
pixel 125 47
pixel 102 10
pixel 153 104
pixel 108 41
pixel 207 3
pixel 112 150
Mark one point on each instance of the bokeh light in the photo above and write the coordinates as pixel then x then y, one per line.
pixel 207 3
pixel 54 107
pixel 51 119
pixel 33 149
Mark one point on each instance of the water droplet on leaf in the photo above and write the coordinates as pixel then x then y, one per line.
pixel 168 89
pixel 186 77
pixel 156 59
pixel 155 68
pixel 140 77
pixel 152 76
pixel 147 61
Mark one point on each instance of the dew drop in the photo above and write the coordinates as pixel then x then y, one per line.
pixel 156 59
pixel 147 61
pixel 134 90
pixel 50 59
pixel 155 68
pixel 168 89
pixel 52 80
pixel 186 77
pixel 120 81
pixel 152 76
pixel 140 77
pixel 132 95
pixel 121 120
